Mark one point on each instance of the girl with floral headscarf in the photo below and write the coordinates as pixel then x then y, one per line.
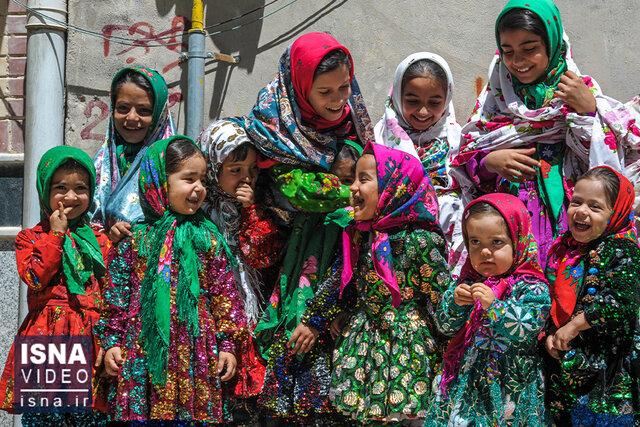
pixel 387 356
pixel 538 124
pixel 592 336
pixel 492 373
pixel 62 261
pixel 174 324
pixel 139 117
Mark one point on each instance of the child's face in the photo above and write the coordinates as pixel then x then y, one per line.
pixel 132 113
pixel 364 190
pixel 235 173
pixel 524 54
pixel 423 102
pixel 330 92
pixel 345 171
pixel 73 189
pixel 589 211
pixel 489 244
pixel 186 188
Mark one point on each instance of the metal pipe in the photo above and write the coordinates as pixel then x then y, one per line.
pixel 195 75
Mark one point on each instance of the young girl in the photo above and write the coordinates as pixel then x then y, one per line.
pixel 593 271
pixel 174 323
pixel 419 119
pixel 139 117
pixel 388 354
pixel 492 374
pixel 62 261
pixel 537 126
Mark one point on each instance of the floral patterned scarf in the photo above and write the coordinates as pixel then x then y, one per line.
pixel 406 200
pixel 525 266
pixel 567 256
pixel 282 122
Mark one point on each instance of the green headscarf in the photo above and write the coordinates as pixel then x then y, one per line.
pixel 536 94
pixel 126 152
pixel 168 237
pixel 81 255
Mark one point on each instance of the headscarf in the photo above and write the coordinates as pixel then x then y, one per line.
pixel 217 142
pixel 81 254
pixel 434 146
pixel 406 199
pixel 167 237
pixel 525 267
pixel 510 115
pixel 117 162
pixel 282 122
pixel 567 256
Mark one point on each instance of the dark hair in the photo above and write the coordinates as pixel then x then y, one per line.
pixel 178 151
pixel 483 209
pixel 609 181
pixel 240 153
pixel 347 152
pixel 332 61
pixel 134 77
pixel 425 68
pixel 71 166
pixel 523 19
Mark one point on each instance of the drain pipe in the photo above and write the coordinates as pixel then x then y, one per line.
pixel 195 76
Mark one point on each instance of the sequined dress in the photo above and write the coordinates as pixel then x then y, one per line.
pixel 193 389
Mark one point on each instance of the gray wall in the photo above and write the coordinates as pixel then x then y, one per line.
pixel 378 33
pixel 8 308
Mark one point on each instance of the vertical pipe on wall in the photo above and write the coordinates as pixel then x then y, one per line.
pixel 195 75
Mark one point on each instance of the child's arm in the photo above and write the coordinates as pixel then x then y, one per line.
pixel 450 316
pixel 325 304
pixel 260 239
pixel 39 257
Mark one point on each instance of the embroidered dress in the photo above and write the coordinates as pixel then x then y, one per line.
pixel 64 274
pixel 509 114
pixel 117 162
pixel 171 308
pixel 388 354
pixel 435 147
pixel 596 382
pixel 492 373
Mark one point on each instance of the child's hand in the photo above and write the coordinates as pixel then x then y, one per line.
pixel 513 164
pixel 99 358
pixel 303 338
pixel 550 348
pixel 244 194
pixel 119 231
pixel 113 361
pixel 575 93
pixel 462 295
pixel 337 324
pixel 58 219
pixel 564 335
pixel 228 361
pixel 483 293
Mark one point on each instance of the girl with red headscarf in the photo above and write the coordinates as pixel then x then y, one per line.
pixel 593 273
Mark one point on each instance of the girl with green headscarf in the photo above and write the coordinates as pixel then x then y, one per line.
pixel 538 124
pixel 139 117
pixel 174 325
pixel 62 261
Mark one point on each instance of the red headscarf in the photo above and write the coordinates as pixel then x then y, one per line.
pixel 305 54
pixel 566 254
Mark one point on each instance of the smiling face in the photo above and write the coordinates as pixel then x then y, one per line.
pixel 489 244
pixel 185 186
pixel 423 102
pixel 364 190
pixel 330 92
pixel 524 54
pixel 234 173
pixel 132 113
pixel 72 188
pixel 589 210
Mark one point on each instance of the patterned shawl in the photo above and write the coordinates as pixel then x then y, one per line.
pixel 81 255
pixel 406 200
pixel 565 268
pixel 281 123
pixel 217 142
pixel 118 162
pixel 166 238
pixel 525 266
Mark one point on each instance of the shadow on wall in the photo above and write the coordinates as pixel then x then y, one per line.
pixel 240 36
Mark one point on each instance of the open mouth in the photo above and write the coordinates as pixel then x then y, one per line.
pixel 336 110
pixel 194 200
pixel 357 202
pixel 581 226
pixel 524 70
pixel 422 121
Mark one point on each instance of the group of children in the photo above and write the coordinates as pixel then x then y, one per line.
pixel 299 265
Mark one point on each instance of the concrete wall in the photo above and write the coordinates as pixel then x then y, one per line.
pixel 378 33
